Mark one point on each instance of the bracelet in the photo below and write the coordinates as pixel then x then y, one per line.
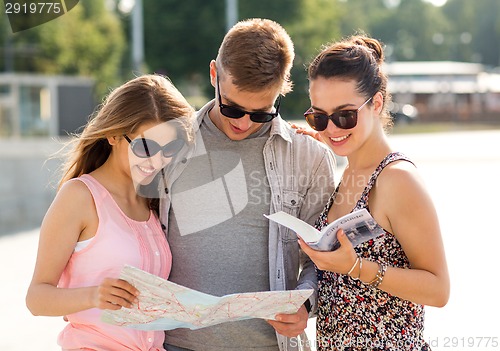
pixel 379 277
pixel 360 266
pixel 353 266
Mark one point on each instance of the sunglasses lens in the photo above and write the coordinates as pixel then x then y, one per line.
pixel 144 148
pixel 345 119
pixel 173 147
pixel 231 112
pixel 342 119
pixel 261 117
pixel 317 121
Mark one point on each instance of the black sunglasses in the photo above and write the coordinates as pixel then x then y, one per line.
pixel 234 112
pixel 344 119
pixel 145 148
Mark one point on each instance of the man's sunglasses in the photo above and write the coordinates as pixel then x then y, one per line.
pixel 234 112
pixel 344 119
pixel 145 148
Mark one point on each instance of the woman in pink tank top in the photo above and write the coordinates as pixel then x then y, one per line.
pixel 105 215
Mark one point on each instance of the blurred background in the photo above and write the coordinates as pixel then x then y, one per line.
pixel 443 62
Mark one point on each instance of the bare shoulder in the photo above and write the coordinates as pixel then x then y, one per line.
pixel 72 211
pixel 401 182
pixel 75 191
pixel 399 175
pixel 74 199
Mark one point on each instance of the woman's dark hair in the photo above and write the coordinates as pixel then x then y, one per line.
pixel 357 58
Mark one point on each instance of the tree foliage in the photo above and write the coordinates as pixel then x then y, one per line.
pixel 317 24
pixel 86 41
pixel 181 37
pixel 475 30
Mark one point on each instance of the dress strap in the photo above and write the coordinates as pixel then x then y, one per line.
pixel 392 157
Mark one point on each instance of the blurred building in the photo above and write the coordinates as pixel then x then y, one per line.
pixel 446 90
pixel 34 111
pixel 40 105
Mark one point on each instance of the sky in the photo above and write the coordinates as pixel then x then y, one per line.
pixel 437 2
pixel 394 3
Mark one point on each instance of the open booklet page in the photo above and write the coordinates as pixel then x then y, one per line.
pixel 359 226
pixel 164 305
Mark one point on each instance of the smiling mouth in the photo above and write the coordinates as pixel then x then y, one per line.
pixel 339 139
pixel 147 170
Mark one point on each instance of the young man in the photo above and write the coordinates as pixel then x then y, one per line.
pixel 247 162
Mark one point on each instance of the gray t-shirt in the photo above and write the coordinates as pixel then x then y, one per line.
pixel 219 236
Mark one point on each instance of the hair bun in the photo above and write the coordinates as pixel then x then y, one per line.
pixel 373 45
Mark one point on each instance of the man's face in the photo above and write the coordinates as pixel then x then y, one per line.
pixel 240 128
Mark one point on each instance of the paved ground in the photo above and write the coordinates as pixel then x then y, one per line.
pixel 462 171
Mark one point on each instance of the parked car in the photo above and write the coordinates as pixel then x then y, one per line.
pixel 403 113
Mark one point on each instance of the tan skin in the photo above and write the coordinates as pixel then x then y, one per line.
pixel 399 202
pixel 72 217
pixel 238 128
pixel 289 325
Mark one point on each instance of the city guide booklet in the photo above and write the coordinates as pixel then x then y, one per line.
pixel 164 305
pixel 359 226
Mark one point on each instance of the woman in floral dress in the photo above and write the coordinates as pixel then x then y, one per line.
pixel 371 297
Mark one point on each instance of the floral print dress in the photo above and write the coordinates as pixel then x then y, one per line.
pixel 354 316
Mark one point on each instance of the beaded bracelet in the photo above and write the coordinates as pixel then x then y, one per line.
pixel 379 277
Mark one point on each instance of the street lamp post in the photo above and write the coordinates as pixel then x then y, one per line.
pixel 137 37
pixel 231 13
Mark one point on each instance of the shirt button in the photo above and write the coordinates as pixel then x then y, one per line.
pixel 146 226
pixel 150 339
pixel 157 253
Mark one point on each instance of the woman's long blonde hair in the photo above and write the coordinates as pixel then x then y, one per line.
pixel 148 98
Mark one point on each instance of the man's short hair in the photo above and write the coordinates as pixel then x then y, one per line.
pixel 258 54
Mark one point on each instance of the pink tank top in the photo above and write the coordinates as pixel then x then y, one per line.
pixel 119 240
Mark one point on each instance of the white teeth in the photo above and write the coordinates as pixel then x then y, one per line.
pixel 147 170
pixel 340 138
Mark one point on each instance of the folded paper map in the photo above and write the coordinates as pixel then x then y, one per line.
pixel 164 305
